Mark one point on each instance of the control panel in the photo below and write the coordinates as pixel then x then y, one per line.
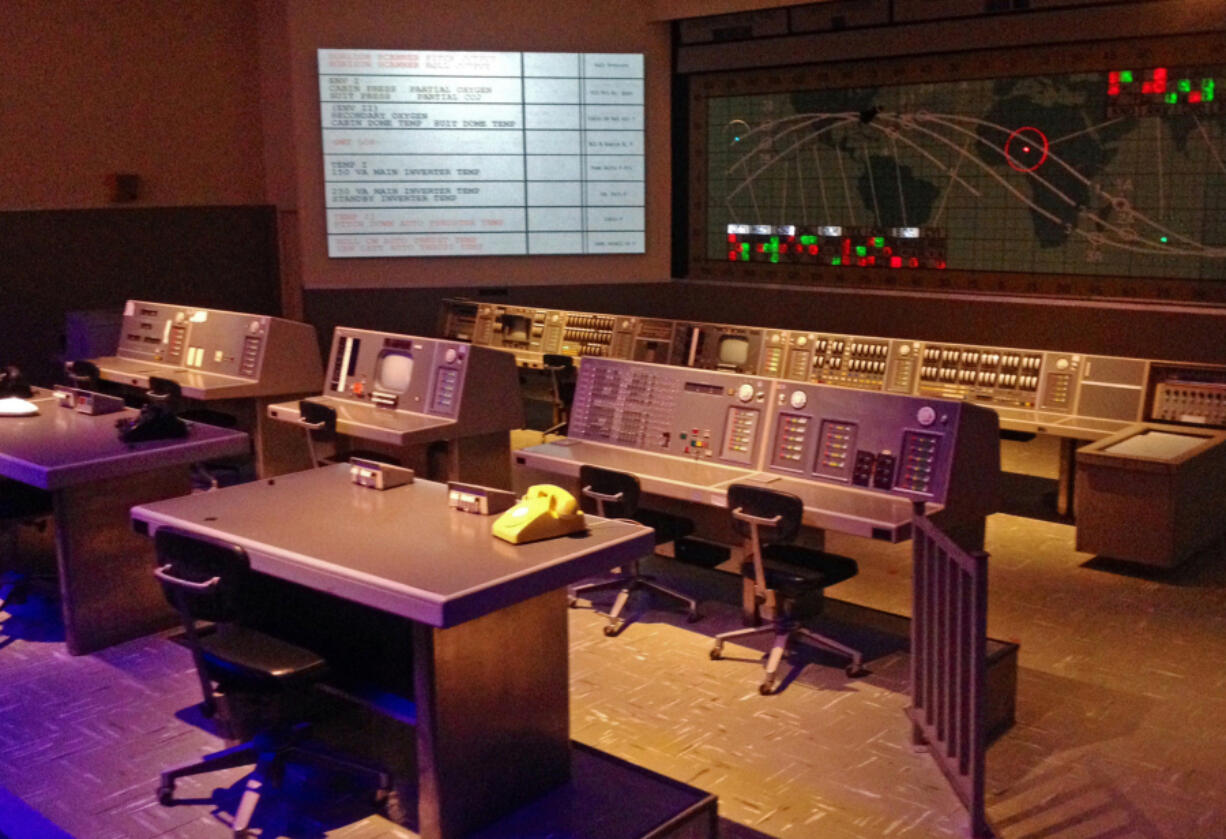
pixel 1037 390
pixel 397 372
pixel 705 415
pixel 396 388
pixel 902 445
pixel 1188 395
pixel 531 333
pixel 272 355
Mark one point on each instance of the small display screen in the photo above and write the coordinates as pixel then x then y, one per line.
pixel 515 328
pixel 733 350
pixel 394 371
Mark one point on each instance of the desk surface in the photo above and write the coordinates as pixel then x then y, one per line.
pixel 60 448
pixel 845 509
pixel 397 428
pixel 402 550
pixel 195 384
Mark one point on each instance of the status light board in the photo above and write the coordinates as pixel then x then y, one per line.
pixel 430 153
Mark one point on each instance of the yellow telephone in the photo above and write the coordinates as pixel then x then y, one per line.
pixel 545 511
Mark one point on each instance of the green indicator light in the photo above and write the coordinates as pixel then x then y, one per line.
pixel 1171 98
pixel 682 435
pixel 1163 240
pixel 879 242
pixel 838 260
pixel 1207 95
pixel 1184 85
pixel 745 256
pixel 774 257
pixel 1206 84
pixel 861 250
pixel 745 246
pixel 1125 77
pixel 774 240
pixel 808 240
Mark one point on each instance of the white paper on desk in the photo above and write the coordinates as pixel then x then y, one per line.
pixel 12 406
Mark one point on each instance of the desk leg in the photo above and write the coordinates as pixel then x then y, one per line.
pixel 1068 470
pixel 108 592
pixel 493 716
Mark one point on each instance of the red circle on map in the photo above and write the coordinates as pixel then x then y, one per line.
pixel 1030 137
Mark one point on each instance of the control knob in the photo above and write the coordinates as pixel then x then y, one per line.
pixel 744 392
pixel 798 399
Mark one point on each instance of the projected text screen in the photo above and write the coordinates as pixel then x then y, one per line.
pixel 430 153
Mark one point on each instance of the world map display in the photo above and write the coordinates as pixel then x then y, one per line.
pixel 1121 172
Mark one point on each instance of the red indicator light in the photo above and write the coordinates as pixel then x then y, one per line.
pixel 762 248
pixel 783 249
pixel 895 261
pixel 1147 87
pixel 791 238
pixel 813 249
pixel 1194 96
pixel 732 255
pixel 1113 90
pixel 914 262
pixel 1113 77
pixel 1159 74
pixel 732 238
pixel 862 262
pixel 1159 86
pixel 888 251
pixel 847 246
pixel 941 263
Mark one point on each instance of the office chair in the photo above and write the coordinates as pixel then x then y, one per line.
pixel 205 580
pixel 20 505
pixel 616 495
pixel 561 369
pixel 318 418
pixel 783 575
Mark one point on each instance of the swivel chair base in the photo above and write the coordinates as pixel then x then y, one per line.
pixel 629 582
pixel 784 633
pixel 269 753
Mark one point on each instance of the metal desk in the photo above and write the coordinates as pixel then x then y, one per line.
pixel 487 618
pixel 107 592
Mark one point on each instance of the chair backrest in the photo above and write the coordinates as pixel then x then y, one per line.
pixel 764 503
pixel 557 362
pixel 595 482
pixel 321 416
pixel 203 578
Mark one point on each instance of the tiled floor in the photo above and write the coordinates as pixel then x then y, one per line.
pixel 1121 728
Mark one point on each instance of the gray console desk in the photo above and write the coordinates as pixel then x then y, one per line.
pixel 107 593
pixel 487 618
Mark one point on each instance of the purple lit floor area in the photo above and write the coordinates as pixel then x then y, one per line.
pixel 1120 732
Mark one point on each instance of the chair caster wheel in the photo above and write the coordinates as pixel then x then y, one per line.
pixel 611 629
pixel 716 653
pixel 166 796
pixel 766 688
pixel 692 617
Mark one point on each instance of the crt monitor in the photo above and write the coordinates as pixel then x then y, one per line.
pixel 394 371
pixel 515 328
pixel 733 351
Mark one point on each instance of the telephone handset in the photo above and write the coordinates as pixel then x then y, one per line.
pixel 13 383
pixel 156 422
pixel 544 512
